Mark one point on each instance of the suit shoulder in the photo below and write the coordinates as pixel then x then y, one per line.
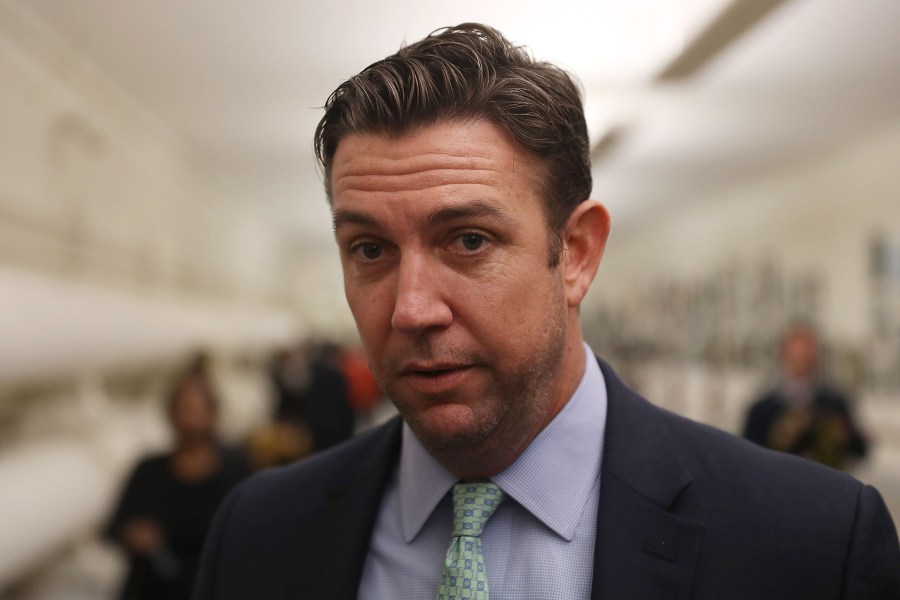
pixel 730 466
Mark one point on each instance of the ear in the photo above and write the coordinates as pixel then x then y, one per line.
pixel 585 240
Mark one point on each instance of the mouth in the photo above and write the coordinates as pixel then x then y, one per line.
pixel 436 378
pixel 433 372
pixel 433 369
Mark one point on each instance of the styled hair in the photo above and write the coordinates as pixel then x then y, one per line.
pixel 471 72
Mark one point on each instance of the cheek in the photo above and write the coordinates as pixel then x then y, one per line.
pixel 372 308
pixel 514 302
pixel 530 284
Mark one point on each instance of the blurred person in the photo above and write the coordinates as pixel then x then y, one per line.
pixel 291 375
pixel 287 437
pixel 200 365
pixel 313 409
pixel 313 394
pixel 802 414
pixel 165 510
pixel 362 389
pixel 458 173
pixel 326 406
pixel 363 392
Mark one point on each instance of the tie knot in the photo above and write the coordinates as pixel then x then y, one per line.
pixel 473 505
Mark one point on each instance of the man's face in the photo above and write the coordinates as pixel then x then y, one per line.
pixel 192 415
pixel 444 247
pixel 800 353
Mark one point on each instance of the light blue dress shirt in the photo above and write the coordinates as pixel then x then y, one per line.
pixel 540 542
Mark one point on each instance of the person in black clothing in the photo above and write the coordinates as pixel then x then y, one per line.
pixel 327 404
pixel 169 500
pixel 801 414
pixel 313 394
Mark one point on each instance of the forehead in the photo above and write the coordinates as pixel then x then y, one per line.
pixel 454 153
pixel 799 339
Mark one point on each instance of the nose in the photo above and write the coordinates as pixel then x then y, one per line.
pixel 420 302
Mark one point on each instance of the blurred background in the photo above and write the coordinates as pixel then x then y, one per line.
pixel 161 217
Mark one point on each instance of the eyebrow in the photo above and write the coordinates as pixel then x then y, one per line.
pixel 341 217
pixel 473 209
pixel 477 208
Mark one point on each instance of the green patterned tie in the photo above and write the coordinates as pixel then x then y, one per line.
pixel 464 576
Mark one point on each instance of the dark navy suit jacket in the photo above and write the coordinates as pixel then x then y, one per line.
pixel 686 511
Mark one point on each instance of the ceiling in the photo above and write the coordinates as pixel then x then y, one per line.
pixel 761 83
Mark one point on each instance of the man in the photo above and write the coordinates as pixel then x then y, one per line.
pixel 802 415
pixel 458 174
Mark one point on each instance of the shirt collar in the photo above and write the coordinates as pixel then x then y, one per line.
pixel 423 482
pixel 552 478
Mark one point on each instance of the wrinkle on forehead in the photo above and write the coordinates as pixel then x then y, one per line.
pixel 381 159
pixel 447 154
pixel 414 181
pixel 375 170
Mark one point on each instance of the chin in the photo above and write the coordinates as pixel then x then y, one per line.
pixel 448 427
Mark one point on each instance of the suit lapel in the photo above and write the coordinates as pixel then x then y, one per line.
pixel 343 524
pixel 643 548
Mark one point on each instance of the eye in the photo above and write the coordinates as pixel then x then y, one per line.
pixel 368 251
pixel 472 241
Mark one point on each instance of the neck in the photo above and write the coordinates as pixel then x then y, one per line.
pixel 193 445
pixel 195 461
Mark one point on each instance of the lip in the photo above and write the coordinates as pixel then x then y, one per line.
pixel 435 378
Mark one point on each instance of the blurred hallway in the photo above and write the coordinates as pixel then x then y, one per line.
pixel 158 197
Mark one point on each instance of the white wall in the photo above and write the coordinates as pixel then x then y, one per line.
pixel 93 186
pixel 117 242
pixel 816 217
